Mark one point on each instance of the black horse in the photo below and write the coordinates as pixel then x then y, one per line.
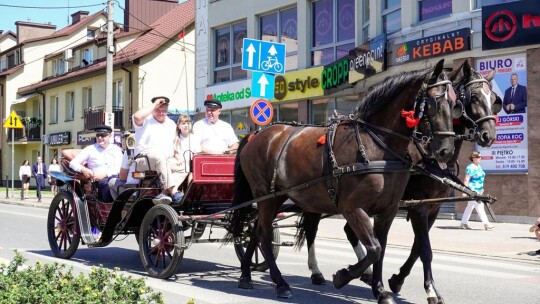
pixel 476 124
pixel 357 167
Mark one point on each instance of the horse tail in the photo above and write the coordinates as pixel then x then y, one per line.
pixel 241 194
pixel 300 236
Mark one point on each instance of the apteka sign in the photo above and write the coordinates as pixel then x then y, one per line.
pixel 432 46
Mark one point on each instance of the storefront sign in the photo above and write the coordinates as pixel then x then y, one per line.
pixel 236 94
pixel 432 46
pixel 335 74
pixel 367 59
pixel 59 139
pixel 509 153
pixel 89 138
pixel 510 24
pixel 299 84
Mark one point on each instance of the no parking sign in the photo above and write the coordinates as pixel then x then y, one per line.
pixel 261 112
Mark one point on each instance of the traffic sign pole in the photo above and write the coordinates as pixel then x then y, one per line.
pixel 12 161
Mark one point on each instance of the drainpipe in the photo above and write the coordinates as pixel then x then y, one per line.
pixel 43 123
pixel 130 84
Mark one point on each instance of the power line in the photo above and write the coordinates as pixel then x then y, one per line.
pixel 50 7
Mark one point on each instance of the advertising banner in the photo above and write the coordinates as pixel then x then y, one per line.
pixel 509 153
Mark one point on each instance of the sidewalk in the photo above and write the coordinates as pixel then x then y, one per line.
pixel 507 241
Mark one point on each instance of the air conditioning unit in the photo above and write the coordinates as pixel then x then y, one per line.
pixel 68 54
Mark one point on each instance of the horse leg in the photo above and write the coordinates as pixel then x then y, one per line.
pixel 310 224
pixel 245 281
pixel 360 252
pixel 426 256
pixel 267 211
pixel 360 224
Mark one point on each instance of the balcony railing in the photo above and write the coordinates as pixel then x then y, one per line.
pixel 31 131
pixel 95 116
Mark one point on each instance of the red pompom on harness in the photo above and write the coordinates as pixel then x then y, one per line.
pixel 409 118
pixel 250 137
pixel 322 140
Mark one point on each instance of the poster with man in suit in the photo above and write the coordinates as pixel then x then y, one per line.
pixel 515 97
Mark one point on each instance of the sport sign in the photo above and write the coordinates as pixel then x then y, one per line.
pixel 261 112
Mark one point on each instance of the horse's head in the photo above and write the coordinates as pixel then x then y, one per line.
pixel 480 103
pixel 436 106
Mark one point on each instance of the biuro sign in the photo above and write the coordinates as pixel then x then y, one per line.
pixel 509 24
pixel 432 46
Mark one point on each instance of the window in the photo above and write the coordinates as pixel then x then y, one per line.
pixel 59 66
pixel 365 21
pixel 87 57
pixel 240 121
pixel 332 30
pixel 70 106
pixel 429 9
pixel 118 95
pixel 321 110
pixel 288 112
pixel 228 52
pixel 479 3
pixel 87 99
pixel 11 60
pixel 2 64
pixel 391 16
pixel 53 109
pixel 90 33
pixel 282 27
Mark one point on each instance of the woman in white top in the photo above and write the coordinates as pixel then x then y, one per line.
pixel 52 181
pixel 25 172
pixel 185 144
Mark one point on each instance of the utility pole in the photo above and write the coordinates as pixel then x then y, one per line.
pixel 110 53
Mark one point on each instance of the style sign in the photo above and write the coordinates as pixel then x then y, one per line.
pixel 262 85
pixel 261 112
pixel 263 56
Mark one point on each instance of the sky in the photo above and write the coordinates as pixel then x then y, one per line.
pixel 58 14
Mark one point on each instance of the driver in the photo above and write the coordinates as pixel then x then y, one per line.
pixel 217 136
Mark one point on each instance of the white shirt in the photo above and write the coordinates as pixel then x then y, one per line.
pixel 97 159
pixel 188 146
pixel 216 137
pixel 154 136
pixel 131 169
pixel 54 167
pixel 25 170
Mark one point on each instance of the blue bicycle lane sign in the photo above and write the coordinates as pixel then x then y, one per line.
pixel 261 112
pixel 263 56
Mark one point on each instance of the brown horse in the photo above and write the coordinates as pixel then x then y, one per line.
pixel 476 124
pixel 360 172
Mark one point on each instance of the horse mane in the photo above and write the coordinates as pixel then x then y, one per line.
pixel 387 91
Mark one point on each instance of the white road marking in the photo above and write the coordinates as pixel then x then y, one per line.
pixel 24 214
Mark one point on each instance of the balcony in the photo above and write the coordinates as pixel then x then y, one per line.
pixel 95 116
pixel 31 130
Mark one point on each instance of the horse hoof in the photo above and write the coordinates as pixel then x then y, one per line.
pixel 395 284
pixel 432 300
pixel 317 279
pixel 284 292
pixel 386 298
pixel 342 278
pixel 441 301
pixel 366 278
pixel 244 283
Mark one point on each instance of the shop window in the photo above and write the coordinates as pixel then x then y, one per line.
pixel 228 52
pixel 288 112
pixel 391 16
pixel 282 27
pixel 430 9
pixel 321 110
pixel 479 3
pixel 333 30
pixel 347 105
pixel 240 121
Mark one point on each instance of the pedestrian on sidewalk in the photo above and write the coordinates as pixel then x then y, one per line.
pixel 24 174
pixel 536 229
pixel 474 180
pixel 53 167
pixel 39 169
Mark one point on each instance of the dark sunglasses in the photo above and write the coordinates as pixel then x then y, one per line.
pixel 102 134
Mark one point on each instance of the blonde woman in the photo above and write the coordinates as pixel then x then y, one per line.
pixel 474 180
pixel 185 143
pixel 25 172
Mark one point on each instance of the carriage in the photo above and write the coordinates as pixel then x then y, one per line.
pixel 78 215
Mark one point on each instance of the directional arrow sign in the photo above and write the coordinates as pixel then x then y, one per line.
pixel 13 121
pixel 263 56
pixel 262 85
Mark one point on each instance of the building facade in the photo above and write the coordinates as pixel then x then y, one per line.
pixel 337 49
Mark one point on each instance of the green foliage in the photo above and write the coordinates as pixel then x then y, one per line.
pixel 53 283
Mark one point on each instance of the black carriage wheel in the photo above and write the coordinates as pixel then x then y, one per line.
pixel 258 263
pixel 62 231
pixel 160 242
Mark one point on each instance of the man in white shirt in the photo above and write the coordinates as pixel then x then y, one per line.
pixel 102 159
pixel 154 137
pixel 217 136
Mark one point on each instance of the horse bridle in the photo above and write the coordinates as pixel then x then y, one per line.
pixel 465 93
pixel 422 98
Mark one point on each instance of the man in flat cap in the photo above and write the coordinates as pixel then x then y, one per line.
pixel 154 138
pixel 103 160
pixel 217 136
